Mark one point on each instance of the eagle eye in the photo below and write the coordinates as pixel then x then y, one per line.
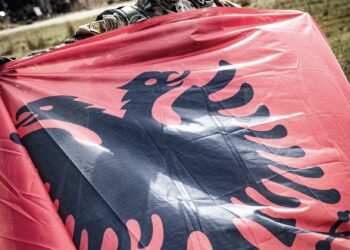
pixel 151 82
pixel 46 108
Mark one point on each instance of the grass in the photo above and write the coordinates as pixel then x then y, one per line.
pixel 19 45
pixel 332 15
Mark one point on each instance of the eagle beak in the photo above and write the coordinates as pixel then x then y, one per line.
pixel 179 80
pixel 29 119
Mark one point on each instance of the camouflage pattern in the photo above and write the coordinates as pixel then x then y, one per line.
pixel 144 9
pixel 163 7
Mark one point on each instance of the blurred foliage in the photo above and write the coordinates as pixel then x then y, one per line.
pixel 20 44
pixel 6 25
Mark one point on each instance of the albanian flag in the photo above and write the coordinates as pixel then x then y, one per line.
pixel 212 129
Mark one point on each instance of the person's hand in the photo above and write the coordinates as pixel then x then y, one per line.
pixel 225 3
pixel 111 22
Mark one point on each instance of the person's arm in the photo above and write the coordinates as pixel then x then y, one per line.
pixel 83 32
pixel 108 20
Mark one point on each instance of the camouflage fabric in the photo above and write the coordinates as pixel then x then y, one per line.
pixel 144 9
pixel 162 7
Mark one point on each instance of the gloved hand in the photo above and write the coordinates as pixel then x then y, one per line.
pixel 108 23
pixel 225 3
pixel 111 22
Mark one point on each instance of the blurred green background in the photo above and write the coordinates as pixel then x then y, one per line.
pixel 332 15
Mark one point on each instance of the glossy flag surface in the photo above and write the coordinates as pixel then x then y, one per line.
pixel 212 129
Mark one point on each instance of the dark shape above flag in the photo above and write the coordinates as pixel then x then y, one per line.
pixel 228 134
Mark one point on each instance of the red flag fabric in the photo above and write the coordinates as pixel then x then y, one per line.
pixel 211 129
